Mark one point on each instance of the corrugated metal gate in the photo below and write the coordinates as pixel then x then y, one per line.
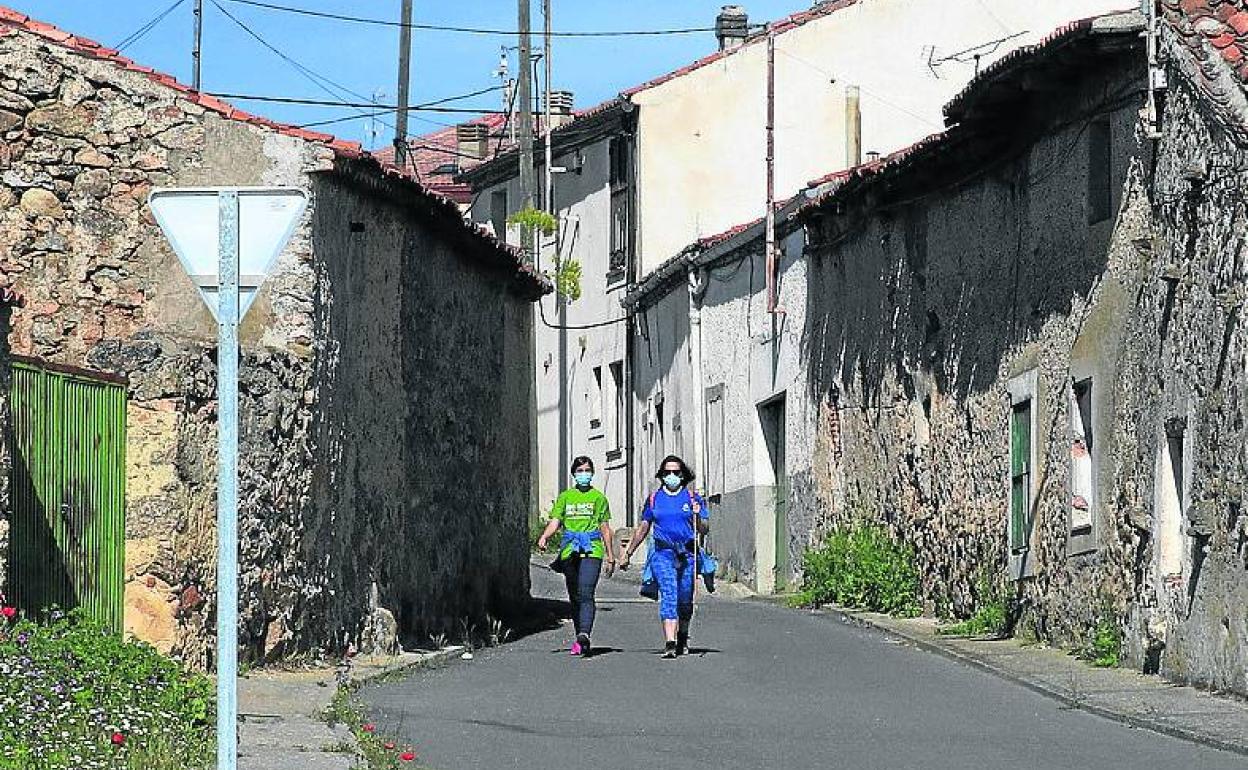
pixel 68 486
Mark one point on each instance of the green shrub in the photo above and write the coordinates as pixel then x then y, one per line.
pixel 1105 649
pixel 74 695
pixel 991 617
pixel 861 567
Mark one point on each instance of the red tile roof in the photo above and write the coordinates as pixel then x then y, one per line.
pixel 778 27
pixel 436 150
pixel 12 21
pixel 1222 24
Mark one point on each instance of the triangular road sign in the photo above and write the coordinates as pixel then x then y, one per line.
pixel 190 219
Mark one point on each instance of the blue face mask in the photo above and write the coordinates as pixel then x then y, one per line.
pixel 672 481
pixel 583 478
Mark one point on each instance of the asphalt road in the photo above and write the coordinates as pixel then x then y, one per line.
pixel 767 687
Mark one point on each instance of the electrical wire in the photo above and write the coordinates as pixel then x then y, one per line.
pixel 465 30
pixel 333 103
pixel 142 31
pixel 320 81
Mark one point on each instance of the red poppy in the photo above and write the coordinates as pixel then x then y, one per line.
pixel 8 612
pixel 407 756
pixel 368 728
pixel 389 745
pixel 118 739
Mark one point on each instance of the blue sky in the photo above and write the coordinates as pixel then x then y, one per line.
pixel 362 58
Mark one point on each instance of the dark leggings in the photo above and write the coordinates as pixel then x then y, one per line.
pixel 581 575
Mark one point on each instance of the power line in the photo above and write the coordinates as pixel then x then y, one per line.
pixel 387 112
pixel 331 103
pixel 142 31
pixel 466 30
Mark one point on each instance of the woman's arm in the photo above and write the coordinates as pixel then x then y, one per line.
pixel 552 527
pixel 608 546
pixel 639 537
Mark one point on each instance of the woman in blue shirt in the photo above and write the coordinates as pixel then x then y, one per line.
pixel 670 513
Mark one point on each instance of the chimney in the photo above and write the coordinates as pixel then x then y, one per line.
pixel 560 108
pixel 471 141
pixel 732 26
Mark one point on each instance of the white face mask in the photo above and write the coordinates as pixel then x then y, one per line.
pixel 672 481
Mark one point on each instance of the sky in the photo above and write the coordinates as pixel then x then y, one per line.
pixel 362 58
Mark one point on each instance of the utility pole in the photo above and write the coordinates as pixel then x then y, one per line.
pixel 549 190
pixel 525 97
pixel 199 36
pixel 405 70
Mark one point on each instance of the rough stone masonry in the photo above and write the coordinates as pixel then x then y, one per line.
pixel 382 364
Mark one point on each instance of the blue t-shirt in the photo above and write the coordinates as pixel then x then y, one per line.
pixel 671 514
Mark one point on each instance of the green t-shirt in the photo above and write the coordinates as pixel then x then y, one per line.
pixel 582 512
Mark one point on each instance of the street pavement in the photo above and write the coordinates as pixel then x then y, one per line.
pixel 766 687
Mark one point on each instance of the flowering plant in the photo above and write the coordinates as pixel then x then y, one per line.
pixel 75 695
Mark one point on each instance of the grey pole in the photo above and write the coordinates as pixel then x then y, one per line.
pixel 227 484
pixel 196 52
pixel 405 65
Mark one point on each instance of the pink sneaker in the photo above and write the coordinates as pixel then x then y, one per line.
pixel 576 648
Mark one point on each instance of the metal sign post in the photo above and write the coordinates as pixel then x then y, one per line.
pixel 227 240
pixel 227 484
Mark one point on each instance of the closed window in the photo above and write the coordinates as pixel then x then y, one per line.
pixel 1020 475
pixel 616 421
pixel 1100 189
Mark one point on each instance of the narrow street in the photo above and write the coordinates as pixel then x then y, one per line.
pixel 767 687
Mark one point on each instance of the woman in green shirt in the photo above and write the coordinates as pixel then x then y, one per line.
pixel 585 516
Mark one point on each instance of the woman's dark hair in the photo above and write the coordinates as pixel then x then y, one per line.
pixel 686 475
pixel 579 461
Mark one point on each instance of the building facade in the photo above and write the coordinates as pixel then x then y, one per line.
pixel 384 356
pixel 1032 374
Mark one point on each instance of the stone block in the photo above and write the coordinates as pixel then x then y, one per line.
pixel 62 120
pixel 37 202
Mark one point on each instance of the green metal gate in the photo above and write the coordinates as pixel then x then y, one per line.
pixel 68 486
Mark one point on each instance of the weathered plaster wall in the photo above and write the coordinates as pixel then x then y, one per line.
pixel 568 396
pixel 749 358
pixel 702 135
pixel 422 399
pixel 921 316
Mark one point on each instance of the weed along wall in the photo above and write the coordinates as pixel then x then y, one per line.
pixel 379 364
pixel 1041 398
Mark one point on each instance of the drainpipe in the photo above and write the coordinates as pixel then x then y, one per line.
pixel 697 290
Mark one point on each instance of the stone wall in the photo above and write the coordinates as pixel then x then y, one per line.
pixel 926 314
pixel 332 530
pixel 919 319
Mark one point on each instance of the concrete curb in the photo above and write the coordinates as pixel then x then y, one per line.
pixel 1131 720
pixel 406 662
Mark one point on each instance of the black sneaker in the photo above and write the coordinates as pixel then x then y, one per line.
pixel 669 651
pixel 682 644
pixel 583 641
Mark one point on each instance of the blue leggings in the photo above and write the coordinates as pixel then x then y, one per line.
pixel 675 584
pixel 581 576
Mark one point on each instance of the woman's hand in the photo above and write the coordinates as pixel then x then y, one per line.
pixel 541 543
pixel 610 567
pixel 624 560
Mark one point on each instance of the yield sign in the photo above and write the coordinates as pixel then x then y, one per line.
pixel 190 219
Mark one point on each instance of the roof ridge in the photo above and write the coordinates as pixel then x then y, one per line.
pixel 778 27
